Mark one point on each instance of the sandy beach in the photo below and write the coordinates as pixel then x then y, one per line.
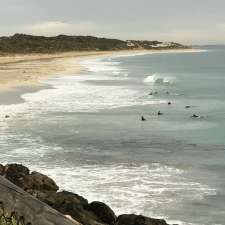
pixel 27 70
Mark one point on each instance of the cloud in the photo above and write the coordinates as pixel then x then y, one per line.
pixel 188 35
pixel 59 27
pixel 209 35
pixel 196 34
pixel 47 27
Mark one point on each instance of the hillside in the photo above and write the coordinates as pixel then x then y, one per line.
pixel 22 43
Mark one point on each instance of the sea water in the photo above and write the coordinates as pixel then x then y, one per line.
pixel 85 131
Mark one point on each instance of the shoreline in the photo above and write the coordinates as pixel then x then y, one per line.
pixel 21 74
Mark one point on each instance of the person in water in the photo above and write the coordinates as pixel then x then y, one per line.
pixel 143 119
pixel 169 103
pixel 159 113
pixel 195 116
pixel 153 93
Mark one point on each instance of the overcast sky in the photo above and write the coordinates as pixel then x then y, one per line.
pixel 186 21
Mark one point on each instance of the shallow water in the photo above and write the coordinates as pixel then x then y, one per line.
pixel 86 133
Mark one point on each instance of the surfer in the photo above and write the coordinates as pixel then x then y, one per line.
pixel 143 119
pixel 159 113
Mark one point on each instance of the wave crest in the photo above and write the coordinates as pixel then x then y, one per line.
pixel 159 80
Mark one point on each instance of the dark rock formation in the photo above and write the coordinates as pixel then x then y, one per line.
pixel 20 176
pixel 1 169
pixel 45 189
pixel 42 183
pixel 70 204
pixel 18 207
pixel 67 203
pixel 103 212
pixel 138 220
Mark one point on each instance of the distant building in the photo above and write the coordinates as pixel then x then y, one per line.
pixel 163 45
pixel 130 44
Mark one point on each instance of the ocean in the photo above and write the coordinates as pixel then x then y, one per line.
pixel 85 131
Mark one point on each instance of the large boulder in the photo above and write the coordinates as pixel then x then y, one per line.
pixel 18 174
pixel 17 169
pixel 42 182
pixel 131 219
pixel 103 212
pixel 70 204
pixel 65 198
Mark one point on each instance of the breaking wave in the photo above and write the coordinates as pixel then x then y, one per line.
pixel 157 79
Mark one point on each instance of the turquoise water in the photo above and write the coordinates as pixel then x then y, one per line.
pixel 87 134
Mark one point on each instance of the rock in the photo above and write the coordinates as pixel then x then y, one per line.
pixel 43 183
pixel 131 219
pixel 2 168
pixel 66 197
pixel 103 212
pixel 17 168
pixel 70 204
pixel 18 174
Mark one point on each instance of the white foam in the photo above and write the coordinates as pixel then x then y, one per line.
pixel 141 53
pixel 130 188
pixel 131 54
pixel 157 79
pixel 72 94
pixel 101 65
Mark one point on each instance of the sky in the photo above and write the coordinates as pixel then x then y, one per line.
pixel 184 21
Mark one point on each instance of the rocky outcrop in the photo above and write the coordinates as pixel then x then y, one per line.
pixel 71 204
pixel 131 219
pixel 103 212
pixel 46 190
pixel 19 207
pixel 41 182
pixel 30 182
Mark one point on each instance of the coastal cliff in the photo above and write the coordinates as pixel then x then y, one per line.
pixel 77 207
pixel 26 44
